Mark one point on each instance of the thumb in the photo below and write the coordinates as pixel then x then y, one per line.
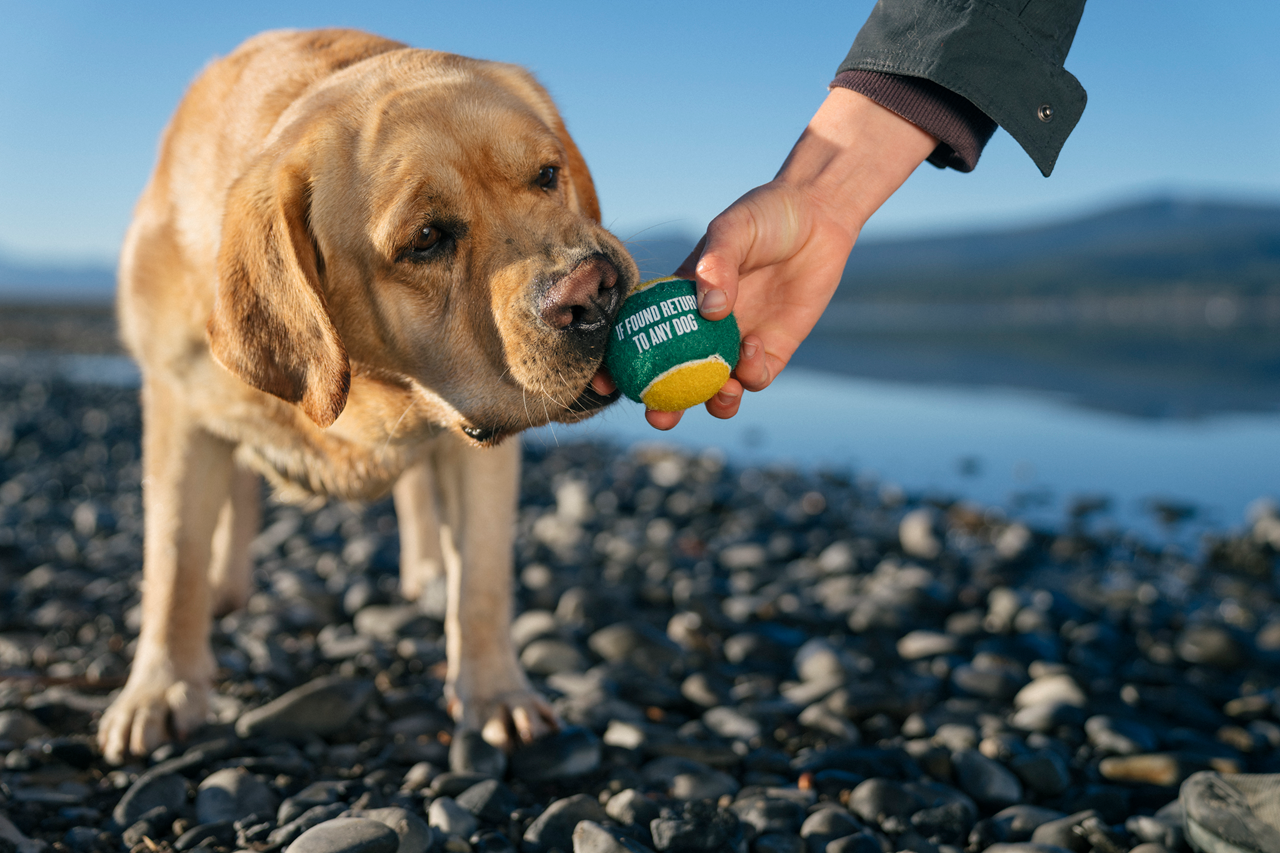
pixel 721 255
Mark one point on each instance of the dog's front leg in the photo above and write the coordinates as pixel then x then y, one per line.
pixel 487 688
pixel 187 481
pixel 421 557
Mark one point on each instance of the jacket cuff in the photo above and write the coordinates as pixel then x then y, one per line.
pixel 1007 63
pixel 962 130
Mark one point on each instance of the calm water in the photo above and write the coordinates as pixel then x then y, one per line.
pixel 1030 453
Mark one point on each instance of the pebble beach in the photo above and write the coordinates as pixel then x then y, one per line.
pixel 747 659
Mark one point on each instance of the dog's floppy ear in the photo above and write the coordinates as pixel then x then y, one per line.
pixel 270 324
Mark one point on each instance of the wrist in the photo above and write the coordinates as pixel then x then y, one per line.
pixel 853 155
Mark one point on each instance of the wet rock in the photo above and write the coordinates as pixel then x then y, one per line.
pixel 699 826
pixel 769 814
pixel 1211 645
pixel 915 645
pixel 826 825
pixel 490 801
pixel 987 781
pixel 320 707
pixel 877 799
pixel 554 827
pixel 1120 736
pixel 731 723
pixel 1043 771
pixel 347 835
pixel 591 837
pixel 569 753
pixel 1060 688
pixel 446 815
pixel 233 794
pixel 168 791
pixel 703 785
pixel 414 833
pixel 548 656
pixel 471 753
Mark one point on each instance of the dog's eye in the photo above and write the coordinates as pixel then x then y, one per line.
pixel 549 177
pixel 428 238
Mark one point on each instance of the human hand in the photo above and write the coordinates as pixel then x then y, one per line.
pixel 775 256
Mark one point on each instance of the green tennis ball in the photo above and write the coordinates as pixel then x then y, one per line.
pixel 663 353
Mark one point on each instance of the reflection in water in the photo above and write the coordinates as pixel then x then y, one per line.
pixel 1036 455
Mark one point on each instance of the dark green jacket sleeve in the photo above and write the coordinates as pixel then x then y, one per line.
pixel 1005 56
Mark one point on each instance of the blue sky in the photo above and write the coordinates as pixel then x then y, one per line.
pixel 678 107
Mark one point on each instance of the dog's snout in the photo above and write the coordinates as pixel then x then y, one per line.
pixel 584 300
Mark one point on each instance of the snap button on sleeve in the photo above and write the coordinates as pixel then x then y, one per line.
pixel 1045 113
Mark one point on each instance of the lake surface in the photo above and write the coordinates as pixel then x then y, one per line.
pixel 1032 453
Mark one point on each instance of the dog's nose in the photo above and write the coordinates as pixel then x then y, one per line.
pixel 585 300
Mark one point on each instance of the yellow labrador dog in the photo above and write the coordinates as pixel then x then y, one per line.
pixel 357 268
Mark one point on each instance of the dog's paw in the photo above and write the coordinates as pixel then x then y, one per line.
pixel 508 719
pixel 154 707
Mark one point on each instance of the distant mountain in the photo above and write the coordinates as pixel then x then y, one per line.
pixel 55 282
pixel 1146 246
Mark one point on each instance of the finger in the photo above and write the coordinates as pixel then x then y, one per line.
pixel 753 370
pixel 725 403
pixel 727 244
pixel 662 420
pixel 689 265
pixel 602 383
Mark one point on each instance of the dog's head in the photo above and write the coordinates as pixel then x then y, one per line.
pixel 424 220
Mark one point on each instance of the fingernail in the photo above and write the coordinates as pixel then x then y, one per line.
pixel 749 349
pixel 725 399
pixel 711 301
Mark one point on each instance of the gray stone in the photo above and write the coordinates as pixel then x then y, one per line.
pixel 446 815
pixel 1120 736
pixel 1025 847
pixel 859 842
pixel 590 837
pixel 414 833
pixel 703 785
pixel 347 835
pixel 388 623
pixel 532 625
pixel 1018 822
pixel 1057 687
pixel 637 643
pixel 554 827
pixel 316 794
pixel 320 707
pixel 168 790
pixel 697 828
pixel 221 833
pixel 632 808
pixel 915 645
pixel 770 814
pixel 731 723
pixel 826 825
pixel 471 753
pixel 549 656
pixel 233 794
pixel 489 801
pixel 989 783
pixel 1211 645
pixel 1043 771
pixel 569 753
pixel 876 799
pixel 18 726
pixel 286 833
pixel 779 842
pixel 918 533
pixel 1061 832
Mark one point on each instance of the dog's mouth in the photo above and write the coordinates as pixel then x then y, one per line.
pixel 600 392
